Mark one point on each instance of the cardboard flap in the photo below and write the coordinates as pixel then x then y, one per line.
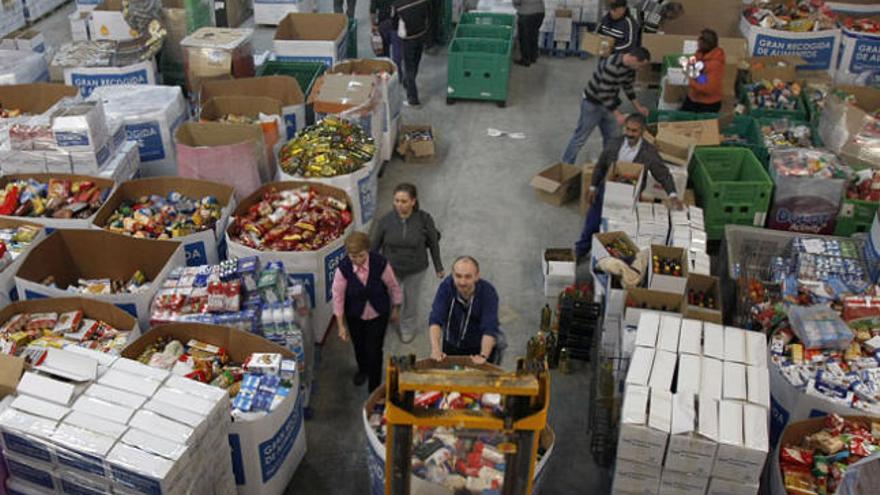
pixel 311 27
pixel 783 68
pixel 282 88
pixel 697 132
pixel 217 107
pixel 110 6
pixel 335 93
pixel 545 184
pixel 34 98
pixel 364 67
pixel 554 177
pixel 96 310
pixel 197 134
pixel 238 344
pixel 11 369
pixel 69 255
pixel 194 188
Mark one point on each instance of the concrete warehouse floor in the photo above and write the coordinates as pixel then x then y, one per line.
pixel 479 195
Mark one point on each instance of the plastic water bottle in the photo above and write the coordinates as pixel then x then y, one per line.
pixel 268 324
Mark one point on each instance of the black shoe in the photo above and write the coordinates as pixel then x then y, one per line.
pixel 359 379
pixel 522 62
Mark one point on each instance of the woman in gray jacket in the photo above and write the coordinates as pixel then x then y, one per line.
pixel 529 17
pixel 404 236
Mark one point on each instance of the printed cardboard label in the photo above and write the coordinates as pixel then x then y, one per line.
pixel 149 138
pixel 367 188
pixel 274 452
pixel 328 61
pixel 331 262
pixel 290 125
pixel 88 81
pixel 308 282
pixel 195 254
pixel 866 55
pixel 818 52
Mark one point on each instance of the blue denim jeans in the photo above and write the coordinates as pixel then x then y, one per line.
pixel 393 45
pixel 592 115
pixel 592 224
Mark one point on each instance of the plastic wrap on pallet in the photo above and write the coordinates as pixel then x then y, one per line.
pixel 18 67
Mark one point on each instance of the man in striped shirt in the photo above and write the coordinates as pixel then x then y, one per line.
pixel 599 106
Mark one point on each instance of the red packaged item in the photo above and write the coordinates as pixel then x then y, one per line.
pixel 796 456
pixel 427 399
pixel 834 423
pixel 68 322
pixel 42 321
pixel 859 446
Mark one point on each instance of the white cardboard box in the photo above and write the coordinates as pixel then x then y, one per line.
pixel 756 349
pixel 734 387
pixel 712 378
pixel 734 344
pixel 660 411
pixel 688 451
pixel 40 407
pixel 690 370
pixel 663 371
pixel 667 340
pixel 648 328
pixel 89 78
pixel 557 274
pixel 312 38
pixel 103 409
pixel 675 483
pixel 758 380
pixel 668 283
pixel 719 486
pixel 138 385
pixel 44 387
pixel 743 440
pixel 108 24
pixel 635 478
pixel 637 441
pixel 690 339
pixel 270 12
pixel 713 340
pixel 640 366
pixel 140 471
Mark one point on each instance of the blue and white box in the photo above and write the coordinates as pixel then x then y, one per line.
pixel 312 38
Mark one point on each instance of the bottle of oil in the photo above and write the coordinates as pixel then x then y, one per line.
pixel 546 318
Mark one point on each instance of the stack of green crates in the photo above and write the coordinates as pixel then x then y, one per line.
pixel 678 116
pixel 732 187
pixel 480 57
pixel 757 138
pixel 305 73
pixel 799 113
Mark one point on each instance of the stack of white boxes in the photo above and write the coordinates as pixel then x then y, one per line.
pixel 75 136
pixel 653 224
pixel 34 10
pixel 705 431
pixel 689 232
pixel 115 426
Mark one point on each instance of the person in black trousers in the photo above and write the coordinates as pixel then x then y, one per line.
pixel 366 296
pixel 529 17
pixel 411 19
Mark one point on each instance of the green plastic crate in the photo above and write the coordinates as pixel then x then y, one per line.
pixel 732 187
pixel 352 51
pixel 490 18
pixel 855 216
pixel 483 31
pixel 669 61
pixel 678 116
pixel 761 151
pixel 800 113
pixel 479 69
pixel 305 73
pixel 744 127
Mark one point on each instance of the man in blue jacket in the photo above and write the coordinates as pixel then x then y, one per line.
pixel 464 316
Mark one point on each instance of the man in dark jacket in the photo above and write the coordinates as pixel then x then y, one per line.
pixel 411 21
pixel 464 316
pixel 618 24
pixel 629 148
pixel 380 18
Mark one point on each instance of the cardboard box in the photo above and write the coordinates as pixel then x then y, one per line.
pixel 640 300
pixel 638 442
pixel 557 184
pixel 690 369
pixel 68 255
pixel 670 135
pixel 314 269
pixel 558 268
pixel 283 429
pixel 89 78
pixel 312 38
pixel 586 182
pixel 421 151
pixel 842 124
pixel 756 349
pixel 707 285
pixel 734 386
pixel 713 340
pixel 355 97
pixel 285 89
pixel 268 109
pixel 201 248
pixel 217 53
pixel 635 478
pixel 106 22
pixel 734 344
pixel 668 283
pixel 563 26
pixel 599 250
pixel 819 49
pixel 662 372
pixel 743 442
pixel 648 329
pixel 758 384
pixel 690 340
pixel 621 193
pixel 712 378
pixel 723 18
pixel 720 486
pixel 660 412
pixel 104 184
pixel 667 338
pixel 639 372
pixel 596 44
pixel 79 26
pixel 676 483
pixel 30 40
pixel 34 98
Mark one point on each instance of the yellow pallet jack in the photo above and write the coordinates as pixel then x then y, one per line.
pixel 525 399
